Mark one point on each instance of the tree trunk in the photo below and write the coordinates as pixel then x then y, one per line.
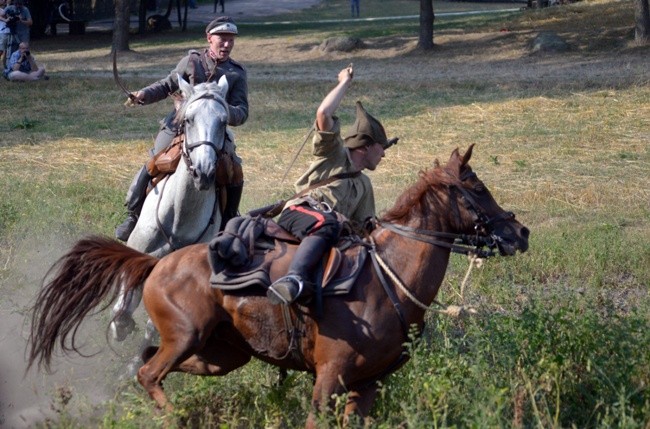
pixel 142 17
pixel 642 22
pixel 121 26
pixel 426 25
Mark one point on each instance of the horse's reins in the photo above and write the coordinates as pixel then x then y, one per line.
pixel 468 245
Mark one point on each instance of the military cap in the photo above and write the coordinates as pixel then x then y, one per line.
pixel 222 24
pixel 366 130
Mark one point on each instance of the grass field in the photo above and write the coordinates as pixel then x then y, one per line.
pixel 562 333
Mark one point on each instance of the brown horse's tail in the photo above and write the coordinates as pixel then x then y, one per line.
pixel 77 283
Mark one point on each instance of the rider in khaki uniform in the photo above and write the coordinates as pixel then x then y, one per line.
pixel 353 196
pixel 334 184
pixel 196 67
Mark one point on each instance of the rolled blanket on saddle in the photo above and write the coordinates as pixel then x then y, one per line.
pixel 235 245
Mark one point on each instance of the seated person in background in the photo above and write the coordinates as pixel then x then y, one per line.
pixel 334 184
pixel 23 67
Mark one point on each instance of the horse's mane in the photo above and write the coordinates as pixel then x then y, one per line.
pixel 202 90
pixel 414 199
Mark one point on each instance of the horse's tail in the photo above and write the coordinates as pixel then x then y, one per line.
pixel 78 283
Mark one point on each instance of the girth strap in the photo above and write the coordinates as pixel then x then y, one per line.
pixel 294 334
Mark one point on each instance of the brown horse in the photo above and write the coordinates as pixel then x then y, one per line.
pixel 206 331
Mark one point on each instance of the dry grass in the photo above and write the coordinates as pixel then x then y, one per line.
pixel 568 130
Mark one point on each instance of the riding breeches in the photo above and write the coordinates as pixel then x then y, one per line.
pixel 303 220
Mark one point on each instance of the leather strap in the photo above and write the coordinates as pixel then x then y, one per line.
pixel 389 291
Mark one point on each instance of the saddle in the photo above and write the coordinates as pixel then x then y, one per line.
pixel 256 251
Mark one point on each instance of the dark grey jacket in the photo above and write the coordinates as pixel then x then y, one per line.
pixel 198 67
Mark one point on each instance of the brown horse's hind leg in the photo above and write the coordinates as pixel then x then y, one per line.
pixel 169 354
pixel 152 374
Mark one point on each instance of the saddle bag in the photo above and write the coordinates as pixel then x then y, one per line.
pixel 165 162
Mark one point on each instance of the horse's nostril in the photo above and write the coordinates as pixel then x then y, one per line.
pixel 525 232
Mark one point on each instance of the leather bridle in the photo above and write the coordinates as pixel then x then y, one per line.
pixel 187 147
pixel 481 244
pixel 186 152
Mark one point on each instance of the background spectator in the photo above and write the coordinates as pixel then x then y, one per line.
pixel 22 66
pixel 5 34
pixel 354 6
pixel 21 27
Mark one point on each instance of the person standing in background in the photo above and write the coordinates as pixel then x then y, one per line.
pixel 354 6
pixel 5 35
pixel 19 23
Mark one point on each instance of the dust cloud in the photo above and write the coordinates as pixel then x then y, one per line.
pixel 78 386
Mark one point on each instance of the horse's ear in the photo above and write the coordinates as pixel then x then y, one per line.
pixel 454 162
pixel 222 85
pixel 185 87
pixel 467 155
pixel 457 162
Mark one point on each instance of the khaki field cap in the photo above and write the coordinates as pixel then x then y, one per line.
pixel 365 131
pixel 223 24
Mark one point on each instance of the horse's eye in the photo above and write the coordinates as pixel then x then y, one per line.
pixel 479 187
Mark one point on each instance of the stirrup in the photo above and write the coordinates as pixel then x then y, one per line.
pixel 283 295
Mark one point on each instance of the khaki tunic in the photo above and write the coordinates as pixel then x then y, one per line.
pixel 352 197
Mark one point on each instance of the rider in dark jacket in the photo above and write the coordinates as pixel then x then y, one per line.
pixel 196 67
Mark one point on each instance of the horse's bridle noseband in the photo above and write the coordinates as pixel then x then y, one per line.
pixel 188 148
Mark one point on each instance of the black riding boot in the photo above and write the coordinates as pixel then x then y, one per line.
pixel 134 201
pixel 233 197
pixel 309 254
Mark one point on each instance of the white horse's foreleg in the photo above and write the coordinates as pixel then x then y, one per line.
pixel 151 335
pixel 122 323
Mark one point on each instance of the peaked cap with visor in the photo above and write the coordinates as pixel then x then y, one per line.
pixel 222 24
pixel 366 130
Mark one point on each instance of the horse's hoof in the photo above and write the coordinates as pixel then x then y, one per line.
pixel 121 329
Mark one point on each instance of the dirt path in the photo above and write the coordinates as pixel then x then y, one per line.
pixel 239 10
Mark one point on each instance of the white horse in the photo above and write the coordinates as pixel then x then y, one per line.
pixel 183 208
